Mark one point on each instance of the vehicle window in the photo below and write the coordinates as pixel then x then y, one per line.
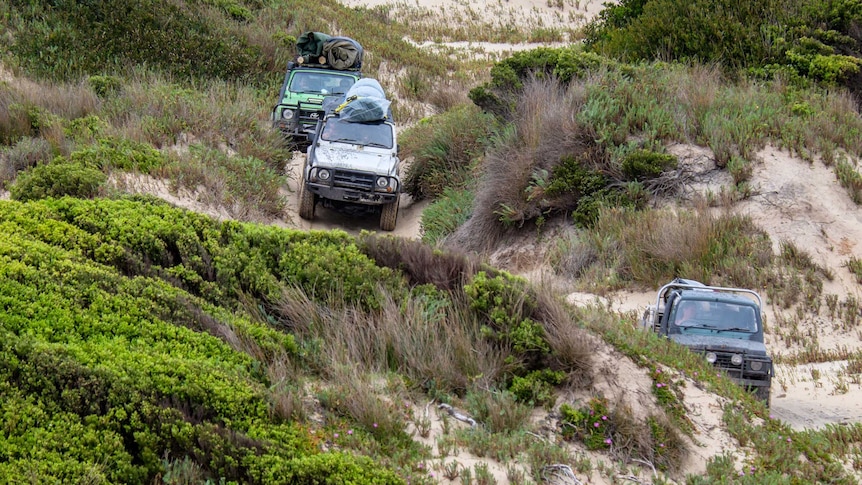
pixel 377 134
pixel 306 82
pixel 309 82
pixel 689 313
pixel 715 315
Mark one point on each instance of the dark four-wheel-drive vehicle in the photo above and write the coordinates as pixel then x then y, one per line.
pixel 325 66
pixel 353 160
pixel 723 324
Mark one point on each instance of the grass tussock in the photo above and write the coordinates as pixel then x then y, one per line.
pixel 544 132
pixel 26 153
pixel 653 246
pixel 446 270
pixel 436 345
pixel 444 151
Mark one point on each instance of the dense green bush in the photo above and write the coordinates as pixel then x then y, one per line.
pixel 508 311
pixel 645 164
pixel 443 216
pixel 109 366
pixel 63 40
pixel 445 150
pixel 119 153
pixel 590 190
pixel 57 179
pixel 499 95
pixel 813 39
pixel 220 262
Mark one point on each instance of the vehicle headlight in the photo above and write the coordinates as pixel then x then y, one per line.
pixel 323 174
pixel 711 357
pixel 756 365
pixel 736 359
pixel 287 114
pixel 382 182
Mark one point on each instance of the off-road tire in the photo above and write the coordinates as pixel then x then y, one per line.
pixel 306 202
pixel 763 394
pixel 389 215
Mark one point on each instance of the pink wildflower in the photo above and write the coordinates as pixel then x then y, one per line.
pixel 349 431
pixel 604 418
pixel 596 424
pixel 336 435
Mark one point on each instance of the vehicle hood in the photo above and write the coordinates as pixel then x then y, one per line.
pixel 713 343
pixel 355 157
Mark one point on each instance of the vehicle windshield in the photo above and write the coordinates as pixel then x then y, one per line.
pixel 320 83
pixel 721 316
pixel 376 134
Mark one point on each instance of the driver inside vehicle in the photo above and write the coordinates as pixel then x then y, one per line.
pixel 686 313
pixel 343 86
pixel 303 84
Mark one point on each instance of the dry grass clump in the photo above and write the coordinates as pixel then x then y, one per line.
pixel 350 393
pixel 35 109
pixel 543 132
pixel 572 346
pixel 420 263
pixel 436 345
pixel 498 411
pixel 27 152
pixel 653 246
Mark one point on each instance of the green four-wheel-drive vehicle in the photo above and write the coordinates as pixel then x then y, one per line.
pixel 325 66
pixel 723 324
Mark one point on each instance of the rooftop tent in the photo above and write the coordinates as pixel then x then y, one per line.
pixel 342 53
pixel 310 44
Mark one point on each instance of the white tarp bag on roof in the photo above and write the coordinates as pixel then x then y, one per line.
pixel 366 87
pixel 364 101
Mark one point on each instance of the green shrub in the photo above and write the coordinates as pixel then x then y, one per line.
pixel 112 360
pixel 590 190
pixel 57 179
pixel 499 95
pixel 443 216
pixel 445 149
pixel 590 424
pixel 506 308
pixel 334 467
pixel 805 38
pixel 68 39
pixel 105 86
pixel 537 387
pixel 121 154
pixel 646 164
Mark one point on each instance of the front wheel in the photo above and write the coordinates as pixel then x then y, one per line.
pixel 763 394
pixel 389 215
pixel 306 202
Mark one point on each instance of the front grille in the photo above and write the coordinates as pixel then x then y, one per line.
pixel 743 371
pixel 349 179
pixel 308 118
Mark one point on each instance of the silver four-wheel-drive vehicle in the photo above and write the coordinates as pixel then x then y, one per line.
pixel 723 324
pixel 353 159
pixel 325 66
